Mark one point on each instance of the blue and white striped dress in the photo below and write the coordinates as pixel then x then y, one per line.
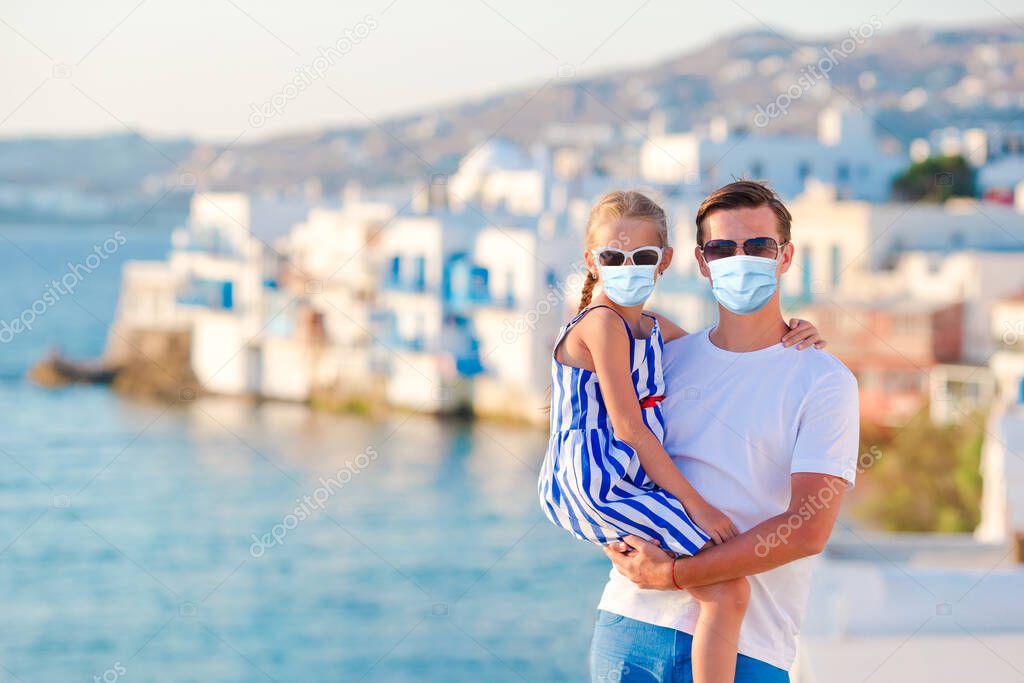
pixel 592 484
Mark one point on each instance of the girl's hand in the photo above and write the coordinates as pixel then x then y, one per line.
pixel 642 562
pixel 803 334
pixel 714 523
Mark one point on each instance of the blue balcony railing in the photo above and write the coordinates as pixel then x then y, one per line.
pixel 466 300
pixel 407 286
pixel 208 294
pixel 208 243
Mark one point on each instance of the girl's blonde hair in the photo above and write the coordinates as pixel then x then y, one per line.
pixel 621 204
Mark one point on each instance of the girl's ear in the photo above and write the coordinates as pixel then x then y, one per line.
pixel 588 258
pixel 666 260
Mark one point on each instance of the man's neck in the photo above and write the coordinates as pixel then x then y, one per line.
pixel 745 333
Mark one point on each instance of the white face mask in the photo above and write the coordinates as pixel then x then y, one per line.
pixel 628 285
pixel 743 284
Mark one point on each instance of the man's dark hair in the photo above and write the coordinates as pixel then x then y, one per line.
pixel 744 194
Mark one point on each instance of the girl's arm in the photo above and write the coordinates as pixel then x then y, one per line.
pixel 606 340
pixel 669 330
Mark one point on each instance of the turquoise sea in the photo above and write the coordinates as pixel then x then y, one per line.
pixel 220 540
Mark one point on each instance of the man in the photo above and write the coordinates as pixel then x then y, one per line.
pixel 767 434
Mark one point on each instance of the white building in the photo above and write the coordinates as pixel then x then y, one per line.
pixel 451 305
pixel 219 282
pixel 426 345
pixel 1002 466
pixel 325 346
pixel 231 268
pixel 979 144
pixel 499 176
pixel 846 154
pixel 532 276
pixel 960 251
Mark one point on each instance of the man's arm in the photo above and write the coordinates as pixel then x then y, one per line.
pixel 799 532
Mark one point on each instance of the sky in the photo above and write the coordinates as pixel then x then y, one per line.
pixel 219 69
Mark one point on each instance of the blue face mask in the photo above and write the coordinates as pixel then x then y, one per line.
pixel 743 284
pixel 627 285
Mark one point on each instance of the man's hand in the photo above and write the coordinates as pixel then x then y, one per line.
pixel 642 562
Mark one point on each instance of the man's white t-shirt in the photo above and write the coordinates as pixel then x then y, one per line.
pixel 737 426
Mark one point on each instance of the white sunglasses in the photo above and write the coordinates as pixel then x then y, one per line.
pixel 641 256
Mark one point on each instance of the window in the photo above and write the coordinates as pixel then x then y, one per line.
pixel 843 173
pixel 417 342
pixel 510 289
pixel 907 324
pixel 478 290
pixel 837 264
pixel 903 381
pixel 804 170
pixel 227 295
pixel 395 272
pixel 756 170
pixel 419 281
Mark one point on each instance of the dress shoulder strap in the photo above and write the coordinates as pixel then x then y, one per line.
pixel 579 316
pixel 590 308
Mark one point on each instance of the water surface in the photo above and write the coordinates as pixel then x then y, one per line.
pixel 127 527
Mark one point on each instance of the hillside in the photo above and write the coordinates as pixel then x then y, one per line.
pixel 913 80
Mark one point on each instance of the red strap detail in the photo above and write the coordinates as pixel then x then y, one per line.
pixel 652 401
pixel 674 581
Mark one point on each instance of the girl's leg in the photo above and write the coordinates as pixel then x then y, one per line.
pixel 716 638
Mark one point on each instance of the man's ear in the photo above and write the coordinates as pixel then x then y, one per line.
pixel 700 263
pixel 788 252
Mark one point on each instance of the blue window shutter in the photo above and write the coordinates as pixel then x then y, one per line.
pixel 227 298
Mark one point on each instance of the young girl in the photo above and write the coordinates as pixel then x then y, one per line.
pixel 606 473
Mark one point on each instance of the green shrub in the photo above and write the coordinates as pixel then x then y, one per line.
pixel 926 477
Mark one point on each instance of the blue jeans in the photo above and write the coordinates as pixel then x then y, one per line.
pixel 628 651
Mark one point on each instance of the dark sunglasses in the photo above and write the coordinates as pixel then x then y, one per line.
pixel 644 256
pixel 765 247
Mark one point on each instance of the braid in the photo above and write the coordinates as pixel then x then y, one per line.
pixel 588 291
